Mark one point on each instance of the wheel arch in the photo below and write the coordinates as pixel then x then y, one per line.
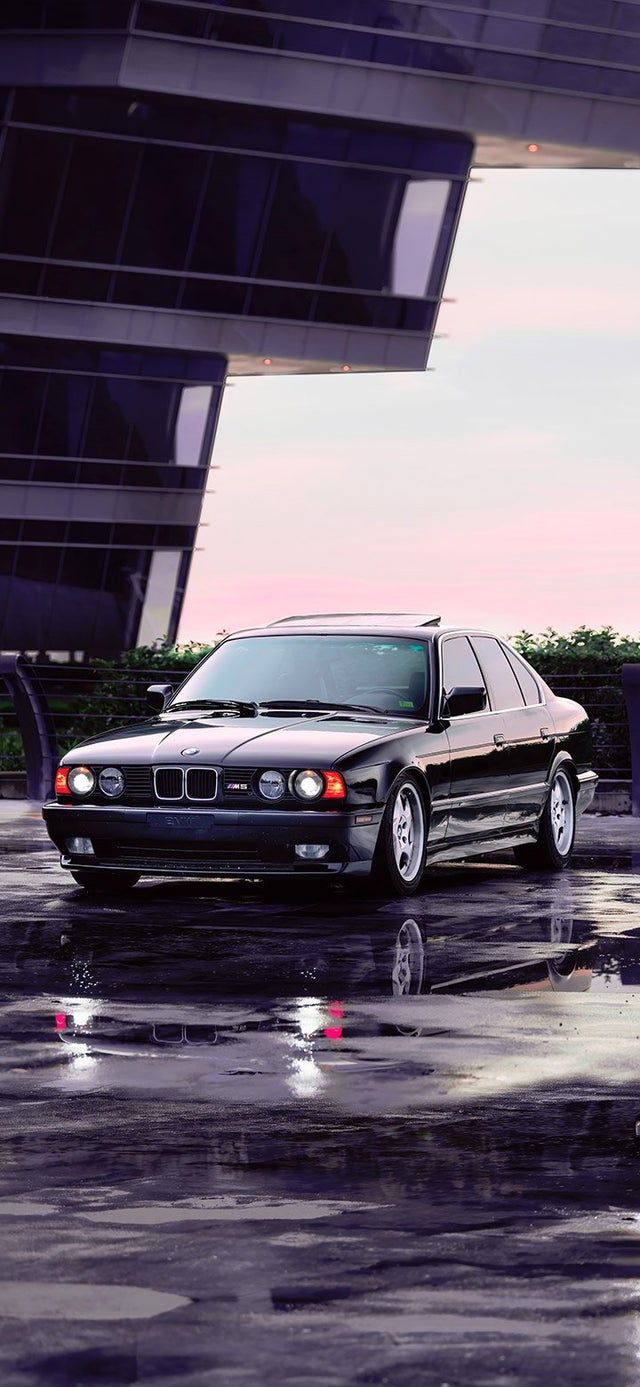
pixel 562 760
pixel 401 770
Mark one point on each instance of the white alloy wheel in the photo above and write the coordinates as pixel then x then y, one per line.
pixel 408 963
pixel 562 813
pixel 407 831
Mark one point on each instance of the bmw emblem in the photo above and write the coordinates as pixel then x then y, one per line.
pixel 190 751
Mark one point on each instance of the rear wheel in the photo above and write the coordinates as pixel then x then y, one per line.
pixel 553 850
pixel 401 850
pixel 99 883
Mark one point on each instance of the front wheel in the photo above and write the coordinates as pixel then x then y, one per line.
pixel 401 851
pixel 99 883
pixel 554 848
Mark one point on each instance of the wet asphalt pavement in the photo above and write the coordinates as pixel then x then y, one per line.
pixel 264 1136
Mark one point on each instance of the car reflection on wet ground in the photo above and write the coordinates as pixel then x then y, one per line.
pixel 277 1136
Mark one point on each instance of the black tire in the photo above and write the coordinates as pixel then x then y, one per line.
pixel 545 854
pixel 386 875
pixel 99 883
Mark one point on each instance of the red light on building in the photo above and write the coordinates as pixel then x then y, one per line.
pixel 533 149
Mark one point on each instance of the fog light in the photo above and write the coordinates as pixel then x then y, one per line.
pixel 82 847
pixel 312 850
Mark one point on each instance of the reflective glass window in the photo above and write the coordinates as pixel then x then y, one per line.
pixel 64 415
pixel 164 207
pixel 504 689
pixel 108 427
pixel 50 530
pixel 82 568
pixel 74 282
pixel 302 212
pixel 386 674
pixel 132 419
pixel 40 564
pixel 159 596
pixel 21 399
pixel 232 214
pixel 157 291
pixel 417 233
pixel 460 668
pixel 574 43
pixel 96 189
pixel 191 423
pixel 524 676
pixel 31 173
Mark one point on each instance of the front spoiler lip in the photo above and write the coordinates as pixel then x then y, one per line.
pixel 253 818
pixel 168 831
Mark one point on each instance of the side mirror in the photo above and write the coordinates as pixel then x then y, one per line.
pixel 464 700
pixel 158 696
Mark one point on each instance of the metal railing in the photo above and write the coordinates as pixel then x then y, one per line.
pixel 75 701
pixel 46 708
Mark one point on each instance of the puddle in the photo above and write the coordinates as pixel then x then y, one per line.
pixel 44 1300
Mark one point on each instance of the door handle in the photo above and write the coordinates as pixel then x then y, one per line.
pixel 499 739
pixel 545 733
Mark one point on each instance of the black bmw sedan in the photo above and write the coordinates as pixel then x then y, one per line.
pixel 331 745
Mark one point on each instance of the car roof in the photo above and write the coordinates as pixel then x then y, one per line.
pixel 350 628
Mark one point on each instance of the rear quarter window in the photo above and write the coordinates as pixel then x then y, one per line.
pixel 504 689
pixel 528 684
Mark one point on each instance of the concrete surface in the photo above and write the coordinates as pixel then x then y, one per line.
pixel 281 1137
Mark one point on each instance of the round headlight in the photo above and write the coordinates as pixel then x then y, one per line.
pixel 111 781
pixel 308 784
pixel 272 784
pixel 81 780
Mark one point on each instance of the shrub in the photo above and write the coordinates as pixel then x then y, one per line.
pixel 586 665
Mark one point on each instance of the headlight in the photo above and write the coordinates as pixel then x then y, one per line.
pixel 111 781
pixel 81 780
pixel 272 784
pixel 308 784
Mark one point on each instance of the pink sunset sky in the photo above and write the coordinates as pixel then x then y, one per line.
pixel 502 488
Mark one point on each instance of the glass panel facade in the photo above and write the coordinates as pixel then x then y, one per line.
pixel 301 226
pixel 592 44
pixel 136 425
pixel 490 40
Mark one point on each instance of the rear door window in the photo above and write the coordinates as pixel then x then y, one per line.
pixel 504 689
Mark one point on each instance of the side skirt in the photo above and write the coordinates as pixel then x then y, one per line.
pixel 476 847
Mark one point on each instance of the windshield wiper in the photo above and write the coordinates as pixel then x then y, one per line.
pixel 317 706
pixel 233 705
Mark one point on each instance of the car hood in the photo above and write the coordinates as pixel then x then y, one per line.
pixel 260 741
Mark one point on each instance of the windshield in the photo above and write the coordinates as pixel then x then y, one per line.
pixel 391 676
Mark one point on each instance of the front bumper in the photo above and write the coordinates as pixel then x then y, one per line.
pixel 213 842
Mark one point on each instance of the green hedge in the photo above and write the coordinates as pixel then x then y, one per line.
pixel 584 651
pixel 586 665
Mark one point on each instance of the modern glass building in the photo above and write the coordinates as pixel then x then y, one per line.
pixel 190 189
